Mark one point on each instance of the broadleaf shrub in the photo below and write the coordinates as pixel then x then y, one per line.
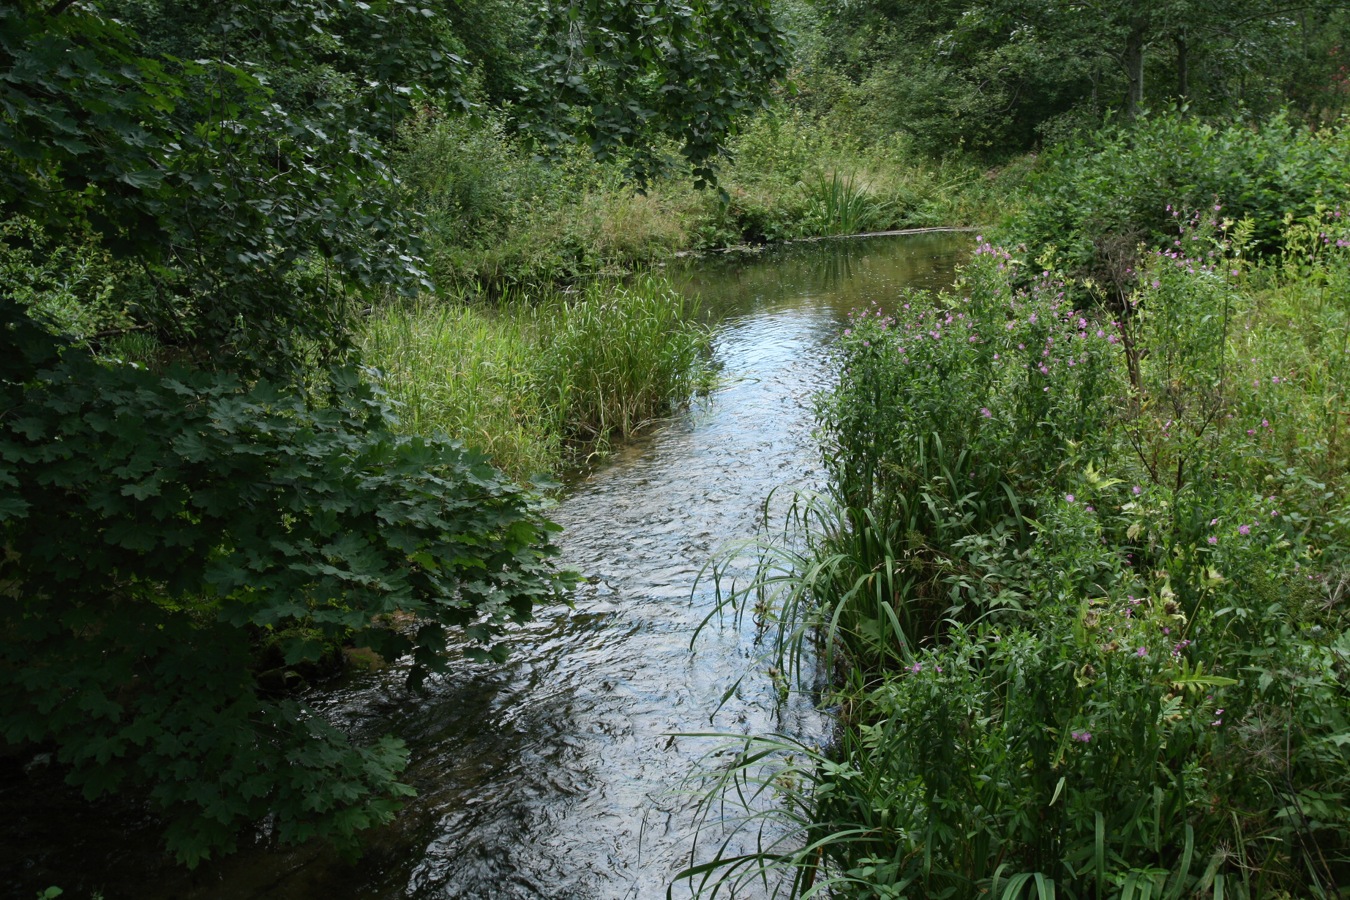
pixel 1092 204
pixel 153 525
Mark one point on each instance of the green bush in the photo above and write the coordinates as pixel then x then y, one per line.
pixel 154 525
pixel 617 357
pixel 497 215
pixel 1092 205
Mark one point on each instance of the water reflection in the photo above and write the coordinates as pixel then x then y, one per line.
pixel 556 775
pixel 842 274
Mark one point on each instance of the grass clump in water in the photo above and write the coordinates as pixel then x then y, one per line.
pixel 538 384
pixel 614 359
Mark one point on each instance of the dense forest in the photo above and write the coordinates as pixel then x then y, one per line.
pixel 1080 569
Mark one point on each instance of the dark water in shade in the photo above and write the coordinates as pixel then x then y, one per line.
pixel 556 775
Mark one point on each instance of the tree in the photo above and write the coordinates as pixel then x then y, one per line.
pixel 631 75
pixel 221 167
pixel 1007 72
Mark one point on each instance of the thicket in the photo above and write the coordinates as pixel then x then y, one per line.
pixel 1080 572
pixel 200 489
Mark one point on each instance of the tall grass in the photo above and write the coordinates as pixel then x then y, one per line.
pixel 538 383
pixel 472 373
pixel 615 358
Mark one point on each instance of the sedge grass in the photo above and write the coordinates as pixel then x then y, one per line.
pixel 537 384
pixel 618 357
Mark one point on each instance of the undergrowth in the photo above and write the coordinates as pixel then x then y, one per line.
pixel 1080 579
pixel 497 216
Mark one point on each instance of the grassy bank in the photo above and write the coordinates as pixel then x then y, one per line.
pixel 1080 573
pixel 497 215
pixel 536 383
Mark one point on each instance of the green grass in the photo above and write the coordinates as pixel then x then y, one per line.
pixel 471 373
pixel 615 357
pixel 539 383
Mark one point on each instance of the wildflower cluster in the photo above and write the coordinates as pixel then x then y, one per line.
pixel 1109 530
pixel 989 368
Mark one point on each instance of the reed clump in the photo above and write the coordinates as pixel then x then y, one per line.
pixel 537 383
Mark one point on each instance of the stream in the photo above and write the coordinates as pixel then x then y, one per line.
pixel 559 774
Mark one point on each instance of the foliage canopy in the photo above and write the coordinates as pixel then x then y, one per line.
pixel 217 174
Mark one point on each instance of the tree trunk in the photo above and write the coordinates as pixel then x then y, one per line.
pixel 1183 69
pixel 1134 70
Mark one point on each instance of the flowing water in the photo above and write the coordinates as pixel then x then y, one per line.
pixel 559 774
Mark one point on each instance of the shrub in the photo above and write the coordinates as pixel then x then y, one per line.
pixel 154 524
pixel 1091 205
pixel 1086 620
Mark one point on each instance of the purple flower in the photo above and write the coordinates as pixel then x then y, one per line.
pixel 1244 529
pixel 1069 497
pixel 1136 490
pixel 1213 539
pixel 1141 652
pixel 984 411
pixel 1083 736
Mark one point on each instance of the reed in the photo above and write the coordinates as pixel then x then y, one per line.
pixel 617 357
pixel 537 383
